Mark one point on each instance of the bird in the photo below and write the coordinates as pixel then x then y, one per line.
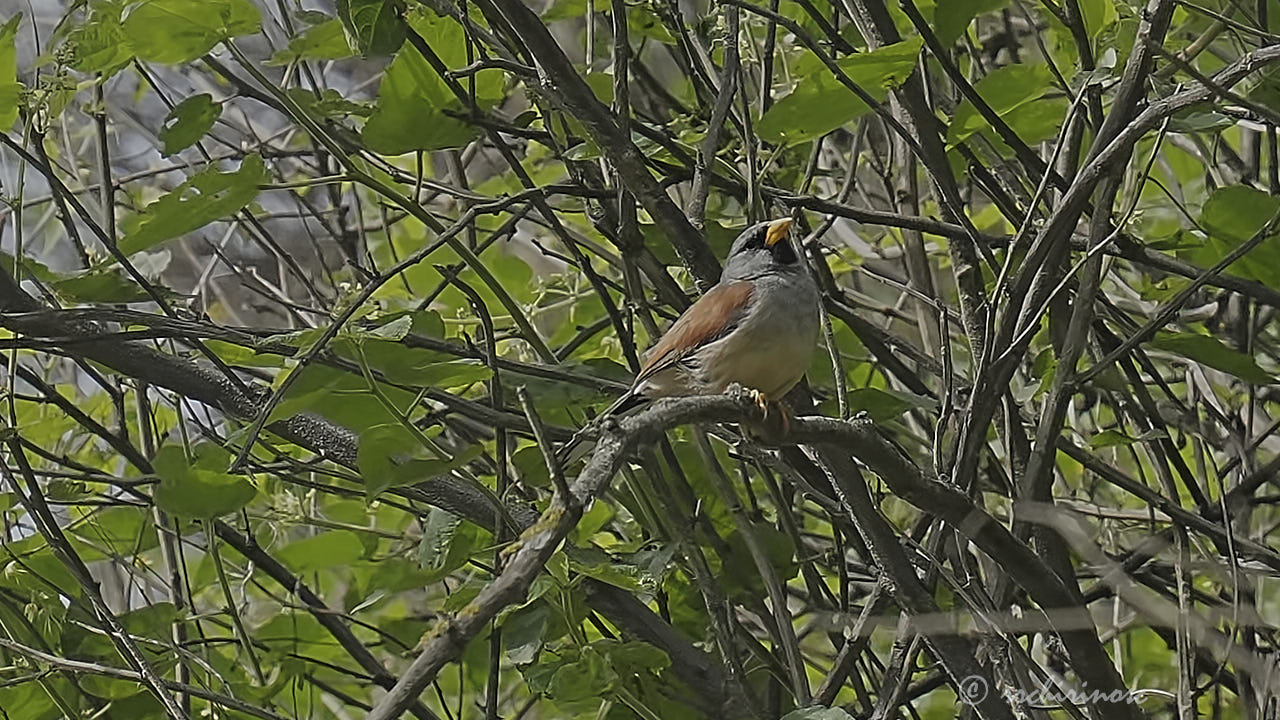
pixel 757 328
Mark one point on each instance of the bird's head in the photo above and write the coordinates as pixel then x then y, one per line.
pixel 761 248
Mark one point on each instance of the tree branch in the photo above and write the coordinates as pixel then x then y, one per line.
pixel 563 86
pixel 334 443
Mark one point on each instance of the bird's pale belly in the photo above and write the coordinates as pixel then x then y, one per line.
pixel 771 360
pixel 772 368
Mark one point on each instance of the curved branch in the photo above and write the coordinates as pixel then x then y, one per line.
pixel 449 638
pixel 562 85
pixel 23 313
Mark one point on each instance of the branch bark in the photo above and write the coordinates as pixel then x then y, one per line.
pixel 24 314
pixel 562 85
pixel 1063 612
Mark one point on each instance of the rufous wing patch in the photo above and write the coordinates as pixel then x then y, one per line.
pixel 712 317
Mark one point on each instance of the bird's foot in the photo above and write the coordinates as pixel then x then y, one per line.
pixel 770 409
pixel 784 417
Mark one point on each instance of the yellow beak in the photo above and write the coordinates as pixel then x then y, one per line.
pixel 777 231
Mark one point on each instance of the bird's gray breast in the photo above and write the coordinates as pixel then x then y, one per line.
pixel 772 347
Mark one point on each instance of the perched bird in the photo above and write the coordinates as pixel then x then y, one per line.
pixel 757 327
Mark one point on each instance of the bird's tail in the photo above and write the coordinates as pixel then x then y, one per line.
pixel 624 403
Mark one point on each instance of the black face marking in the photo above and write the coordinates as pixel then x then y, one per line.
pixel 753 241
pixel 783 253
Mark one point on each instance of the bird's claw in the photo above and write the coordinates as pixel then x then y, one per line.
pixel 784 416
pixel 763 402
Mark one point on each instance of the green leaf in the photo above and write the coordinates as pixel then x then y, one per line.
pixel 419 471
pixel 241 16
pixel 1097 15
pixel 233 354
pixel 10 88
pixel 1210 351
pixel 412 98
pixel 437 533
pixel 448 544
pixel 601 85
pixel 558 567
pixel 1109 438
pixel 284 632
pixel 29 564
pixel 109 285
pixel 820 103
pixel 582 152
pixel 99 44
pixel 108 688
pixel 330 104
pixel 884 405
pixel 188 121
pixel 28 701
pixel 1004 90
pixel 531 465
pixel 154 619
pixel 178 31
pixel 643 22
pixel 448 374
pixel 205 197
pixel 599 514
pixel 192 489
pixel 1036 122
pixel 1195 120
pixel 29 265
pixel 1266 87
pixel 394 330
pixel 1237 212
pixel 564 10
pixel 637 657
pixel 373 26
pixel 408 116
pixel 952 17
pixel 51 95
pixel 340 396
pixel 123 531
pixel 323 551
pixel 305 340
pixel 427 323
pixel 522 632
pixel 598 565
pixel 384 458
pixel 326 41
pixel 380 452
pixel 1233 215
pixel 389 574
pixel 590 676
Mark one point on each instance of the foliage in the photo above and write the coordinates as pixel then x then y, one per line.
pixel 297 303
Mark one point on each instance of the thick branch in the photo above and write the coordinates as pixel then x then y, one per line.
pixel 336 443
pixel 1065 615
